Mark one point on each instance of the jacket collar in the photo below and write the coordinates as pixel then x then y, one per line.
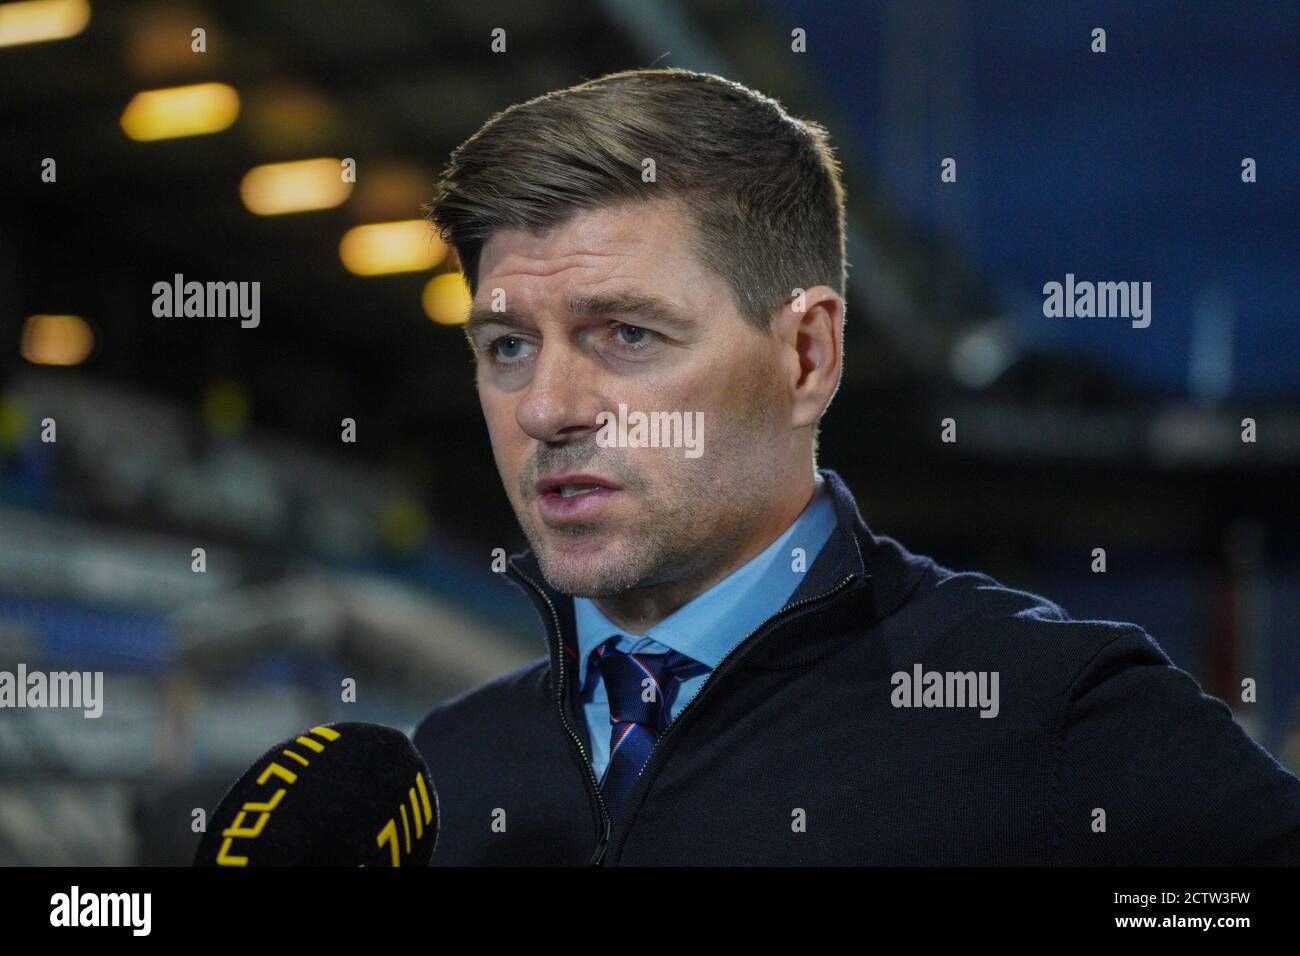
pixel 870 575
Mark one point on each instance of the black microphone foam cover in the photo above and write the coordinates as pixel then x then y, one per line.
pixel 346 794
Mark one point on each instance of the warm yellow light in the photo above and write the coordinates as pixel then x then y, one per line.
pixel 56 340
pixel 409 245
pixel 279 188
pixel 180 111
pixel 36 20
pixel 446 299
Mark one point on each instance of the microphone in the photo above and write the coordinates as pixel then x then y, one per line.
pixel 346 794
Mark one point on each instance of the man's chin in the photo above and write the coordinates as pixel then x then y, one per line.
pixel 590 566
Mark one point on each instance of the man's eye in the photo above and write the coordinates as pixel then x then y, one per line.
pixel 632 336
pixel 508 349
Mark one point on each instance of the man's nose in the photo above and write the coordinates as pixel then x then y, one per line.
pixel 560 402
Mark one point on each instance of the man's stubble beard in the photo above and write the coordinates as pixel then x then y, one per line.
pixel 670 542
pixel 659 548
pixel 687 535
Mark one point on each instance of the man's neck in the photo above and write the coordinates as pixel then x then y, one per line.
pixel 637 610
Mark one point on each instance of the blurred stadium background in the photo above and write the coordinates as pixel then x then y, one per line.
pixel 371 560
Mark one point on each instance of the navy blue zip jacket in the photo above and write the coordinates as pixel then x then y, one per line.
pixel 798 748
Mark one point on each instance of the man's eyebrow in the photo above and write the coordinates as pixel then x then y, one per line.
pixel 624 304
pixel 629 305
pixel 481 317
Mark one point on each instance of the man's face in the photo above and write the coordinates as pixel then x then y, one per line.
pixel 612 307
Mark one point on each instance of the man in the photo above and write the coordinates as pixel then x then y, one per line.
pixel 740 670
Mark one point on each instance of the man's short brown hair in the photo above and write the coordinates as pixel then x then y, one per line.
pixel 761 188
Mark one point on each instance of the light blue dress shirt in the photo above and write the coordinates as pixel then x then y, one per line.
pixel 707 626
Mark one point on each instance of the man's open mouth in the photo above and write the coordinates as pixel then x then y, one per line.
pixel 572 491
pixel 571 486
pixel 570 496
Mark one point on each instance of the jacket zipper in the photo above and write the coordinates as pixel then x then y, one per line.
pixel 657 754
pixel 599 854
pixel 598 857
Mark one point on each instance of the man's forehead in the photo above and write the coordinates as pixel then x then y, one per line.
pixel 641 237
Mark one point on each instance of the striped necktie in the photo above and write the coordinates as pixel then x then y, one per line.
pixel 639 688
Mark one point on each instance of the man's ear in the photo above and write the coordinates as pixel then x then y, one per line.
pixel 810 328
